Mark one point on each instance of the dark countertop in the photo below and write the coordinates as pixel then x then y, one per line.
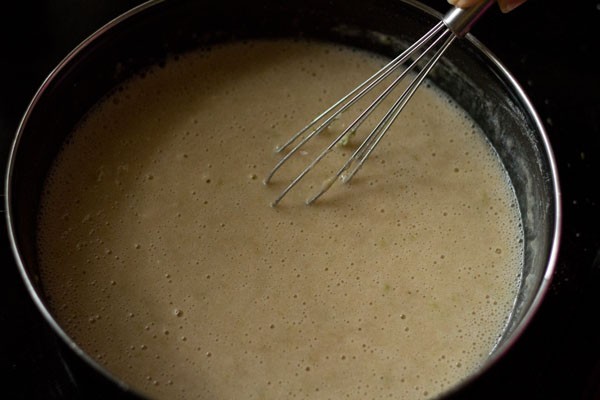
pixel 552 51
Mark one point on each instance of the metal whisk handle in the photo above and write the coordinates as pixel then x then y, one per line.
pixel 460 20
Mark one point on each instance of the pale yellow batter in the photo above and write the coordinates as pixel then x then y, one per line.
pixel 163 260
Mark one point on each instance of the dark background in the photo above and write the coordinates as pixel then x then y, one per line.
pixel 550 46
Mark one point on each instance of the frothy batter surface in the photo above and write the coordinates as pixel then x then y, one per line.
pixel 163 260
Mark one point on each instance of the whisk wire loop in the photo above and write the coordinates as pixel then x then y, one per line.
pixel 394 112
pixel 456 23
pixel 348 100
pixel 363 151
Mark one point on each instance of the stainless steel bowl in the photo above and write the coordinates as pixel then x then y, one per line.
pixel 147 34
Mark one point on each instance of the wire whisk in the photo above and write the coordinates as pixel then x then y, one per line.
pixel 455 24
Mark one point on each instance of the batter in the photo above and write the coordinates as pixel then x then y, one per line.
pixel 163 260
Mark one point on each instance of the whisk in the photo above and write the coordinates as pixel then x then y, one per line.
pixel 454 24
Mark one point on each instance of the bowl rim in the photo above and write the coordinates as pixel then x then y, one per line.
pixel 64 64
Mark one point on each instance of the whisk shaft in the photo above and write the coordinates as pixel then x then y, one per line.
pixel 455 23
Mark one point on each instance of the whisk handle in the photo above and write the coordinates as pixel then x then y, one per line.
pixel 460 20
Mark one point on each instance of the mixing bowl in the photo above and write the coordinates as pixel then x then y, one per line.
pixel 151 32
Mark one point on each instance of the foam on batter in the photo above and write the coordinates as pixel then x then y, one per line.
pixel 163 260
